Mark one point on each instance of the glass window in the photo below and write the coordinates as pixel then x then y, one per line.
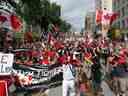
pixel 118 3
pixel 118 24
pixel 123 11
pixel 126 10
pixel 123 23
pixel 126 21
pixel 119 13
pixel 122 1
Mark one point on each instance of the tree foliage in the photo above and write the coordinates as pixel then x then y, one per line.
pixel 42 13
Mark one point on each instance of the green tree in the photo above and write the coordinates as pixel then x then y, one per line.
pixel 64 26
pixel 41 13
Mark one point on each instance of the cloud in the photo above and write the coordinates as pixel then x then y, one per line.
pixel 74 11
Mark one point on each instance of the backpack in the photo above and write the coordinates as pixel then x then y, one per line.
pixel 72 70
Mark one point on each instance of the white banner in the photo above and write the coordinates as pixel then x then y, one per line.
pixel 6 62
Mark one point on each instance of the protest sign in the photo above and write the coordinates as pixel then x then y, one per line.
pixel 37 76
pixel 6 62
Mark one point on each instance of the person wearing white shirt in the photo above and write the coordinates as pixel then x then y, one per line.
pixel 69 86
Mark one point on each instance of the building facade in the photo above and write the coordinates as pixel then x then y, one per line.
pixel 98 4
pixel 101 4
pixel 121 7
pixel 90 22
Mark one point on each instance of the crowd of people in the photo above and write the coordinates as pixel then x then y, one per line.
pixel 87 60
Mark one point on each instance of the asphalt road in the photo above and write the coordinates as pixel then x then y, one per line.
pixel 58 90
pixel 55 91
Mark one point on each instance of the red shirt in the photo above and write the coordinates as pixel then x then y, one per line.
pixel 3 88
pixel 62 59
pixel 122 59
pixel 34 53
pixel 88 55
pixel 45 61
pixel 51 53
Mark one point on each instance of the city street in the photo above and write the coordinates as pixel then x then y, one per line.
pixel 58 91
pixel 82 43
pixel 55 91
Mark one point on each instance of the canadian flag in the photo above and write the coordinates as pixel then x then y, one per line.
pixel 98 16
pixel 108 17
pixel 105 17
pixel 10 21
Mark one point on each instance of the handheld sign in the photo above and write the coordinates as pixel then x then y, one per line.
pixel 6 62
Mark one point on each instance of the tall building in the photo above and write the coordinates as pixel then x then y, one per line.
pixel 98 4
pixel 121 7
pixel 101 4
pixel 90 22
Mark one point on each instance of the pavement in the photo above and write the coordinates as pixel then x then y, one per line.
pixel 57 91
pixel 106 91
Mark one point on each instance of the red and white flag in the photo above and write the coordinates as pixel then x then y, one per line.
pixel 98 16
pixel 108 17
pixel 5 20
pixel 9 21
pixel 114 17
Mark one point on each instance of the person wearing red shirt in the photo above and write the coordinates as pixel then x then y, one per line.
pixel 45 60
pixel 3 88
pixel 62 59
pixel 122 59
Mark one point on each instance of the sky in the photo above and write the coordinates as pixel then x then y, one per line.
pixel 74 11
